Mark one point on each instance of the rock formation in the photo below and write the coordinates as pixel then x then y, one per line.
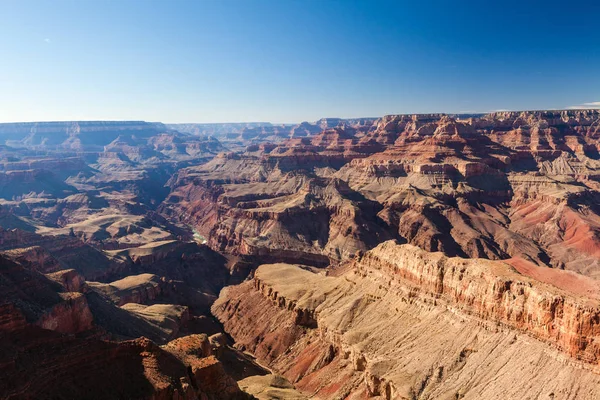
pixel 274 211
pixel 243 133
pixel 400 322
pixel 498 186
pixel 411 256
pixel 51 365
pixel 50 344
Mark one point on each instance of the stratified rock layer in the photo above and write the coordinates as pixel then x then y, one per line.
pixel 42 364
pixel 518 184
pixel 400 322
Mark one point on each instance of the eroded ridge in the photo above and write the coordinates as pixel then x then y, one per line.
pixel 400 322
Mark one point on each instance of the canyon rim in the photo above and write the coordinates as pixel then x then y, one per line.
pixel 294 200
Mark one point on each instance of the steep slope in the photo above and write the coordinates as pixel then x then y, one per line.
pixel 274 207
pixel 51 342
pixel 400 322
pixel 42 364
pixel 504 185
pixel 496 186
pixel 29 298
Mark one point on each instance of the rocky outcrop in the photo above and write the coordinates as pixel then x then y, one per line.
pixel 34 257
pixel 492 291
pixel 257 132
pixel 439 182
pixel 267 387
pixel 138 306
pixel 51 347
pixel 72 315
pixel 265 213
pixel 140 289
pixel 400 322
pixel 192 273
pixel 29 298
pixel 69 279
pixel 56 366
pixel 48 253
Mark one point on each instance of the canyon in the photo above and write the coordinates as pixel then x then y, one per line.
pixel 426 256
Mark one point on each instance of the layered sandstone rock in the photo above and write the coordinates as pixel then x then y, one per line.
pixel 50 343
pixel 136 306
pixel 389 321
pixel 44 364
pixel 266 212
pixel 269 387
pixel 132 289
pixel 444 184
pixel 35 257
pixel 257 132
pixel 29 297
pixel 69 279
pixel 47 253
pixel 464 187
pixel 193 273
pixel 400 322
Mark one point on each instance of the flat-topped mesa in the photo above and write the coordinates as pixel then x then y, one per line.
pixel 152 252
pixel 51 164
pixel 382 123
pixel 139 289
pixel 305 313
pixel 25 176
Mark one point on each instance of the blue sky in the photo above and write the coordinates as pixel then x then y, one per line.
pixel 289 61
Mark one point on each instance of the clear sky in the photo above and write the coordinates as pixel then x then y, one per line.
pixel 289 61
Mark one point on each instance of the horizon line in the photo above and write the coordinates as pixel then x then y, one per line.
pixel 295 123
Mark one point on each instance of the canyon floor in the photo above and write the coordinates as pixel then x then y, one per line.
pixel 403 257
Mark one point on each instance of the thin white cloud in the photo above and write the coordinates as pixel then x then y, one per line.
pixel 47 40
pixel 591 104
